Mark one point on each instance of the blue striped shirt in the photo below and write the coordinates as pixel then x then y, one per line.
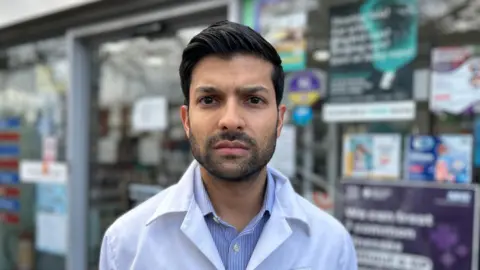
pixel 235 248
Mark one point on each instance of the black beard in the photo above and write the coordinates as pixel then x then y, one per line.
pixel 246 169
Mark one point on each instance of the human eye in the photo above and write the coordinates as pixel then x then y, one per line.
pixel 207 100
pixel 255 100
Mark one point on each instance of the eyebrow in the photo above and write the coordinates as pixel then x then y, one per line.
pixel 243 90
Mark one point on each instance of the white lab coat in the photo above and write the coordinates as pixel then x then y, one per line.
pixel 169 232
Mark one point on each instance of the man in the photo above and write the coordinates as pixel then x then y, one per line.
pixel 229 210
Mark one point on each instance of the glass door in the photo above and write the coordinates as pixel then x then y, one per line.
pixel 137 143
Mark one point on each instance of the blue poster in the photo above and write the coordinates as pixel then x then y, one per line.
pixel 445 158
pixel 52 198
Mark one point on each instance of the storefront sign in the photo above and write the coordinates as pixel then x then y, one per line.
pixel 372 47
pixel 305 87
pixel 446 158
pixel 366 112
pixel 37 172
pixel 455 79
pixel 283 24
pixel 367 156
pixel 302 115
pixel 411 226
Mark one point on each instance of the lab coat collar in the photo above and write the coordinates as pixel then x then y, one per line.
pixel 180 198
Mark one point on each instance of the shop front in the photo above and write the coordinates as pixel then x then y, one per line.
pixel 401 95
pixel 96 87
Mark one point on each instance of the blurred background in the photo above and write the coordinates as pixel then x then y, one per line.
pixel 381 97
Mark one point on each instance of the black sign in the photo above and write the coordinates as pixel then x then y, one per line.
pixel 372 46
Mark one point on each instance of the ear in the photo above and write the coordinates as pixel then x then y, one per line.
pixel 185 119
pixel 281 114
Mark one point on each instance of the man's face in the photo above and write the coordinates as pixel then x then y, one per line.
pixel 232 120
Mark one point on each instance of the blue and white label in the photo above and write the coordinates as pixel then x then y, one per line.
pixel 9 150
pixel 8 178
pixel 10 123
pixel 10 205
pixel 302 115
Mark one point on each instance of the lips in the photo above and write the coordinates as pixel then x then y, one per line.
pixel 230 145
pixel 231 148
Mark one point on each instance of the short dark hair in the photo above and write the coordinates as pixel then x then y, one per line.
pixel 226 39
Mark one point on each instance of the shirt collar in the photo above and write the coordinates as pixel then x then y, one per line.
pixel 205 205
pixel 180 197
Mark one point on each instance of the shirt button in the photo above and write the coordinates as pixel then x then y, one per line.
pixel 236 248
pixel 216 219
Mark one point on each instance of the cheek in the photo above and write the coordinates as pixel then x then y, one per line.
pixel 199 130
pixel 265 129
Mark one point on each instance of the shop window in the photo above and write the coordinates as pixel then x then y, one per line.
pixel 33 90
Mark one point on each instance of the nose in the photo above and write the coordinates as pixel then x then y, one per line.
pixel 231 117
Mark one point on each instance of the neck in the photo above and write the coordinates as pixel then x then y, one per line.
pixel 236 202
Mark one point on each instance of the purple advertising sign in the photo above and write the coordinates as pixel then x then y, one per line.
pixel 411 225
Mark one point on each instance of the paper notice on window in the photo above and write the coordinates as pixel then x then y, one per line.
pixel 149 150
pixel 284 158
pixel 150 114
pixel 107 150
pixel 51 233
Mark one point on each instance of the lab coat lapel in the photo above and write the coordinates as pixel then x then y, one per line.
pixel 181 199
pixel 195 228
pixel 194 225
pixel 276 231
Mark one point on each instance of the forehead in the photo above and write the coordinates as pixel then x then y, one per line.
pixel 238 70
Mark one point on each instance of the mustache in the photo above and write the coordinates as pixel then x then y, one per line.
pixel 231 136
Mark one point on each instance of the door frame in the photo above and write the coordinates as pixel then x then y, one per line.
pixel 80 100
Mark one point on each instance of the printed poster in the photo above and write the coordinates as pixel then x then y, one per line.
pixel 51 218
pixel 283 24
pixel 446 158
pixel 372 156
pixel 372 47
pixel 150 114
pixel 410 225
pixel 455 79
